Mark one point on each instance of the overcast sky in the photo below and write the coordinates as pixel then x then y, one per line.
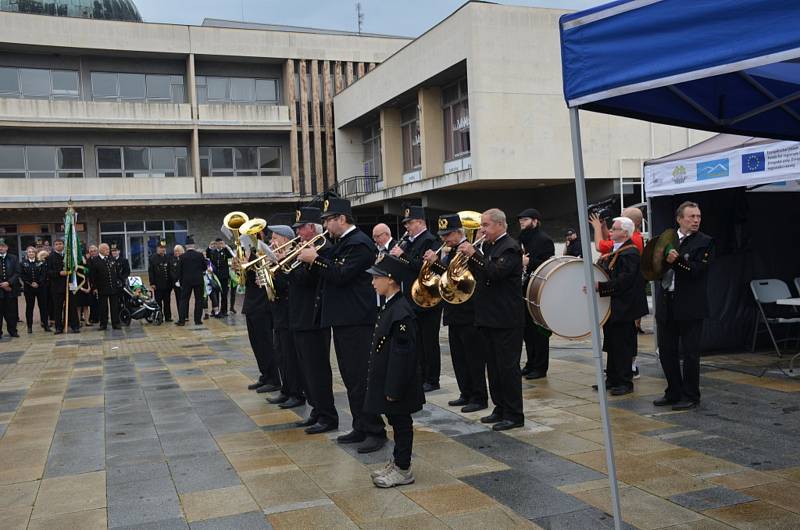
pixel 394 17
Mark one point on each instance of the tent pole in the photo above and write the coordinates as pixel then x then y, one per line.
pixel 652 284
pixel 594 313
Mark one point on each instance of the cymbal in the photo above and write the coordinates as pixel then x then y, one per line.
pixel 654 264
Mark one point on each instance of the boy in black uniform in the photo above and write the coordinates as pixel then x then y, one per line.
pixel 161 281
pixel 393 383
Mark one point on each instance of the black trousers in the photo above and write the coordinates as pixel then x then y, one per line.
pixel 177 291
pixel 619 342
pixel 289 364
pixel 105 300
pixel 9 311
pixel 223 294
pixel 503 350
pixel 93 308
pixel 402 425
pixel 313 348
pixel 353 345
pixel 259 331
pixel 59 299
pixel 213 298
pixel 163 299
pixel 469 364
pixel 537 346
pixel 676 339
pixel 199 303
pixel 233 299
pixel 430 357
pixel 33 297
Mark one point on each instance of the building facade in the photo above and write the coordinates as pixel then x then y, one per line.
pixel 471 115
pixel 156 131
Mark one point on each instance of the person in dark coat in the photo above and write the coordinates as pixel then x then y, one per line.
pixel 466 342
pixel 219 254
pixel 410 251
pixel 106 278
pixel 124 265
pixel 161 282
pixel 626 287
pixel 57 284
pixel 681 306
pixel 497 267
pixel 347 305
pixel 573 244
pixel 394 385
pixel 312 342
pixel 190 270
pixel 33 274
pixel 537 247
pixel 9 290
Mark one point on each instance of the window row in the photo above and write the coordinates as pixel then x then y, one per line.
pixel 240 161
pixel 130 161
pixel 236 90
pixel 40 161
pixel 137 87
pixel 38 83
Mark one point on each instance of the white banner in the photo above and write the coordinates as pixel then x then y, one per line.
pixel 773 163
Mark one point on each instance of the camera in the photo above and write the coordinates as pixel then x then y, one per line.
pixel 606 209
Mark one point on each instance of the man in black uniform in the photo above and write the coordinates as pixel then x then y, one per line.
pixel 498 269
pixel 161 282
pixel 105 275
pixel 537 247
pixel 219 254
pixel 466 342
pixel 410 252
pixel 681 306
pixel 9 290
pixel 190 270
pixel 348 306
pixel 628 303
pixel 123 263
pixel 57 283
pixel 33 274
pixel 312 342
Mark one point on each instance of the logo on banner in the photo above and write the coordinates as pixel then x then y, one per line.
pixel 678 175
pixel 753 162
pixel 713 169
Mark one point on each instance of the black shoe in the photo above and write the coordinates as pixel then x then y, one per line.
pixel 621 390
pixel 103 327
pixel 198 323
pixel 320 428
pixel 372 444
pixel 430 387
pixel 116 327
pixel 595 387
pixel 536 374
pixel 292 402
pixel 474 407
pixel 167 320
pixel 56 332
pixel 308 422
pixel 180 323
pixel 205 317
pixel 219 315
pixel 353 437
pixel 75 330
pixel 460 402
pixel 664 402
pixel 255 385
pixel 685 404
pixel 47 328
pixel 30 330
pixel 13 334
pixel 507 424
pixel 526 370
pixel 492 418
pixel 233 311
pixel 277 400
pixel 268 387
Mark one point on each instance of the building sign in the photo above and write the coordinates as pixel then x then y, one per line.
pixel 80 226
pixel 459 164
pixel 412 176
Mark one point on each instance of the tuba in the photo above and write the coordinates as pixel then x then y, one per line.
pixel 457 284
pixel 233 221
pixel 425 289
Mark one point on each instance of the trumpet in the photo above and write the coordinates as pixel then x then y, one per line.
pixel 290 261
pixel 457 284
pixel 425 289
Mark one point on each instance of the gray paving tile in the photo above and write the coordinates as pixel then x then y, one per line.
pixel 167 524
pixel 242 521
pixel 133 447
pixel 524 494
pixel 188 443
pixel 202 472
pixel 145 510
pixel 579 520
pixel 62 464
pixel 229 423
pixel 135 491
pixel 121 474
pixel 446 422
pixel 709 499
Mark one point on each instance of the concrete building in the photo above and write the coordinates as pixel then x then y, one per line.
pixel 471 115
pixel 159 130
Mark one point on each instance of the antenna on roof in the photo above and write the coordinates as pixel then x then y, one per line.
pixel 359 16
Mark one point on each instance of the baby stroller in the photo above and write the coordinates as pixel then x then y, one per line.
pixel 137 302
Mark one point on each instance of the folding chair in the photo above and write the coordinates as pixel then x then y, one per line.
pixel 767 292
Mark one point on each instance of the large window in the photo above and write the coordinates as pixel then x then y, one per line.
pixel 38 83
pixel 138 240
pixel 116 86
pixel 412 157
pixel 455 107
pixel 371 143
pixel 133 161
pixel 236 90
pixel 40 161
pixel 240 161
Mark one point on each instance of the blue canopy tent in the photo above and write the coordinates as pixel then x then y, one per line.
pixel 730 66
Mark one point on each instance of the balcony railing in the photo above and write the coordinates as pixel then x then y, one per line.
pixel 356 186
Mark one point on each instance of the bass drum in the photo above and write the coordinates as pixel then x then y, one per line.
pixel 556 300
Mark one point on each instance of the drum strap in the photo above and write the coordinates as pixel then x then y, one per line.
pixel 608 261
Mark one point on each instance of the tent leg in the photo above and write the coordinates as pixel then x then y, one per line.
pixel 652 284
pixel 594 313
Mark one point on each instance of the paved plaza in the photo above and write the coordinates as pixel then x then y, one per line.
pixel 152 427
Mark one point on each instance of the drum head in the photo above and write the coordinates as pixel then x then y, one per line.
pixel 562 304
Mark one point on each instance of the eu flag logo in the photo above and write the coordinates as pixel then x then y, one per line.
pixel 753 162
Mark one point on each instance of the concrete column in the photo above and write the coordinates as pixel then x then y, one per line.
pixel 289 100
pixel 303 98
pixel 431 131
pixel 191 85
pixel 391 148
pixel 316 126
pixel 195 148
